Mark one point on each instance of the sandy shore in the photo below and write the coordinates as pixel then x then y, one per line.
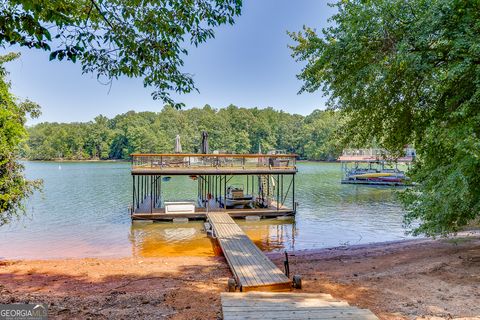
pixel 420 279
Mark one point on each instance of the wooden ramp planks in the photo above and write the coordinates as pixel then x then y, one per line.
pixel 294 306
pixel 251 268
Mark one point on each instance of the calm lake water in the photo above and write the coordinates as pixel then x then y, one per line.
pixel 82 212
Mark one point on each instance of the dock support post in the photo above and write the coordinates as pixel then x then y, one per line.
pixel 278 191
pixel 281 190
pixel 138 192
pixel 204 190
pixel 216 189
pixel 225 193
pixel 156 190
pixel 133 192
pixel 268 190
pixel 209 186
pixel 200 190
pixel 293 195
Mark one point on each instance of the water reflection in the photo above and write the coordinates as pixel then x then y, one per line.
pixel 271 235
pixel 157 239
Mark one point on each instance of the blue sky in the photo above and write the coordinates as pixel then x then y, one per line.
pixel 247 64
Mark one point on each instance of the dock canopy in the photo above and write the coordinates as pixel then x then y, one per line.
pixel 375 155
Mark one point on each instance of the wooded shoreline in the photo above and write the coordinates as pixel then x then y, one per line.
pixel 79 160
pixel 230 130
pixel 128 160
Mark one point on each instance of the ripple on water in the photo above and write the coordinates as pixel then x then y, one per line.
pixel 82 212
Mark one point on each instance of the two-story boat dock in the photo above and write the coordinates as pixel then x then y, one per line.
pixel 240 184
pixel 228 186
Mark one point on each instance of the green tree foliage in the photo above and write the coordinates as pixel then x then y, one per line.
pixel 110 38
pixel 322 139
pixel 13 186
pixel 232 129
pixel 408 72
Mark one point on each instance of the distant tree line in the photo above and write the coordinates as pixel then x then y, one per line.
pixel 232 129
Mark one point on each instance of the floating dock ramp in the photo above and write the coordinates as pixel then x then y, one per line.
pixel 252 270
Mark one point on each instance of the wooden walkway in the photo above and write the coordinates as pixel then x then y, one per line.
pixel 252 270
pixel 294 306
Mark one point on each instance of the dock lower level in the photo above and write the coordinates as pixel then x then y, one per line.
pixel 201 214
pixel 252 270
pixel 147 211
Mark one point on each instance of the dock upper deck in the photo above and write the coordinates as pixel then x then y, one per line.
pixel 212 164
pixel 266 180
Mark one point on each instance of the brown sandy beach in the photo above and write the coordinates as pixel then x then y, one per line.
pixel 425 279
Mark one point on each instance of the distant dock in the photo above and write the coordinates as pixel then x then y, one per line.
pixel 375 167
